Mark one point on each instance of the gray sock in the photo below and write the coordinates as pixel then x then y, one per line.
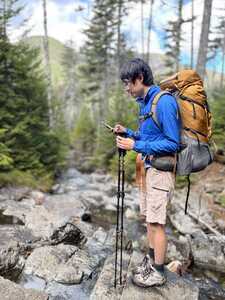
pixel 151 253
pixel 159 268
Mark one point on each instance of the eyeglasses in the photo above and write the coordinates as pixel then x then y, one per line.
pixel 126 82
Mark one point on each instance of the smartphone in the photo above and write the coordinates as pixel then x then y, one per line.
pixel 108 126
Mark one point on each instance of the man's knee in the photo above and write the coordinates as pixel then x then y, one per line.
pixel 156 226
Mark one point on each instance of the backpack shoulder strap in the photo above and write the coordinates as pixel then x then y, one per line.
pixel 154 104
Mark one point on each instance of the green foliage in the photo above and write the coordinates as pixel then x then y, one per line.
pixel 16 177
pixel 181 181
pixel 129 165
pixel 29 151
pixel 122 110
pixel 221 200
pixel 83 136
pixel 218 113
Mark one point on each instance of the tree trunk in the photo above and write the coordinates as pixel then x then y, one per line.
pixel 4 32
pixel 142 29
pixel 178 42
pixel 192 34
pixel 149 31
pixel 203 46
pixel 223 58
pixel 47 66
pixel 120 3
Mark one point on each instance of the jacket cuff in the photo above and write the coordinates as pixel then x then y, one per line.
pixel 139 146
pixel 129 132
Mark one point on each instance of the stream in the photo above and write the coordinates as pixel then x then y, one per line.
pixel 90 200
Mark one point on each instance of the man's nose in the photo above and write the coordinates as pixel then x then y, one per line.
pixel 127 89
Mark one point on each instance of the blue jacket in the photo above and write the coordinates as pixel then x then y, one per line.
pixel 150 139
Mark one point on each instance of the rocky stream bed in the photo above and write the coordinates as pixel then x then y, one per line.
pixel 60 245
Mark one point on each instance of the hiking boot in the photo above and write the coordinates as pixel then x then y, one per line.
pixel 147 260
pixel 149 277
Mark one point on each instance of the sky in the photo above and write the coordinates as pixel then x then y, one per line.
pixel 66 22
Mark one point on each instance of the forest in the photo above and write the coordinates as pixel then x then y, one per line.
pixel 60 65
pixel 54 97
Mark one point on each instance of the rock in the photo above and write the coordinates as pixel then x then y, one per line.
pixel 176 288
pixel 104 287
pixel 68 233
pixel 72 173
pixel 89 195
pixel 178 250
pixel 214 187
pixel 64 263
pixel 100 178
pixel 208 251
pixel 86 217
pixel 14 241
pixel 131 214
pixel 65 206
pixel 11 291
pixel 208 289
pixel 58 291
pixel 175 267
pixel 68 274
pixel 17 193
pixel 183 223
pixel 55 189
pixel 110 207
pixel 38 197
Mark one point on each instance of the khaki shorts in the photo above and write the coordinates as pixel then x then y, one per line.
pixel 154 198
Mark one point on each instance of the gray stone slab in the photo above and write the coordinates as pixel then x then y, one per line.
pixel 176 288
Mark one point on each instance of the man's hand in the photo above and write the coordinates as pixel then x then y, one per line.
pixel 124 143
pixel 119 129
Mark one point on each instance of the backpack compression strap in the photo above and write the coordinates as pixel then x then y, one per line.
pixel 152 113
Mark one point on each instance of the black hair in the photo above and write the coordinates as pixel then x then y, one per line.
pixel 134 68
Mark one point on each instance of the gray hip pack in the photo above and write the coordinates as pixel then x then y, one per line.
pixel 194 156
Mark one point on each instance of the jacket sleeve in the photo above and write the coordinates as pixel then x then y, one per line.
pixel 169 120
pixel 133 134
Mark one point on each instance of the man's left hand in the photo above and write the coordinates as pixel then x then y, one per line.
pixel 124 143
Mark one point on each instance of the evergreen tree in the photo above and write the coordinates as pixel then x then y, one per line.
pixel 25 141
pixel 98 52
pixel 204 38
pixel 47 65
pixel 71 101
pixel 174 39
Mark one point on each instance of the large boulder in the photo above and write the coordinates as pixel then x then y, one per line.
pixel 208 251
pixel 176 288
pixel 15 244
pixel 61 263
pixel 12 291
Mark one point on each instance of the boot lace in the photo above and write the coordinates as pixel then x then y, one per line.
pixel 147 271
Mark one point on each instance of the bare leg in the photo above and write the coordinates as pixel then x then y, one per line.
pixel 159 242
pixel 150 235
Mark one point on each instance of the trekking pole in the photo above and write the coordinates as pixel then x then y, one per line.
pixel 119 221
pixel 122 206
pixel 119 216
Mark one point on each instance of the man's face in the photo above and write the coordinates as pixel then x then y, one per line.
pixel 134 89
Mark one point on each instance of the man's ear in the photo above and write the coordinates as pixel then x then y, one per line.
pixel 141 78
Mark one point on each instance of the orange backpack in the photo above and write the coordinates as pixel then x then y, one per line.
pixel 195 154
pixel 188 89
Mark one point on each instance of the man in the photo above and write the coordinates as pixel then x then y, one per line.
pixel 151 139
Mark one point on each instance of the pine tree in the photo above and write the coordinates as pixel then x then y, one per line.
pixel 98 52
pixel 174 38
pixel 149 30
pixel 25 140
pixel 47 65
pixel 70 99
pixel 203 45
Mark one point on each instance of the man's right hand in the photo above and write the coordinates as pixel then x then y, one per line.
pixel 119 129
